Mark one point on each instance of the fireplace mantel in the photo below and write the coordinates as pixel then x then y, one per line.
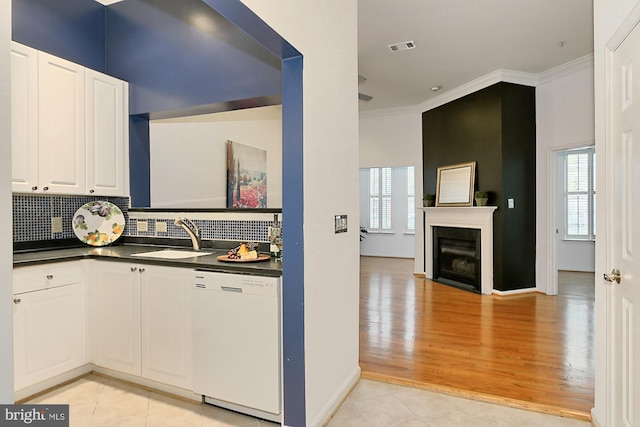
pixel 479 217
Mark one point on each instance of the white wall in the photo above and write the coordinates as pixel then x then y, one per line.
pixel 189 160
pixel 330 173
pixel 564 119
pixel 6 249
pixel 393 137
pixel 398 242
pixel 608 16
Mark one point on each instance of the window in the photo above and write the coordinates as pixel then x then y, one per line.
pixel 380 199
pixel 580 194
pixel 411 199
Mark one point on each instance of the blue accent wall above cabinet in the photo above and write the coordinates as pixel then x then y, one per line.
pixel 183 54
pixel 70 29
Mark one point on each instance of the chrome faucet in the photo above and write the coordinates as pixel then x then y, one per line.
pixel 192 230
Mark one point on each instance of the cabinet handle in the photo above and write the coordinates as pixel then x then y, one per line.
pixel 45 188
pixel 141 269
pixel 49 276
pixel 92 191
pixel 34 188
pixel 17 300
pixel 134 268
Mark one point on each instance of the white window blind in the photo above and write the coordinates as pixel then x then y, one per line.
pixel 580 194
pixel 380 198
pixel 411 199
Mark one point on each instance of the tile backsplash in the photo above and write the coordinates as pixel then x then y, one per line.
pixel 33 216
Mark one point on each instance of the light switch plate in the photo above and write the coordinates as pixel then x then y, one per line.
pixel 142 225
pixel 340 224
pixel 56 224
pixel 511 203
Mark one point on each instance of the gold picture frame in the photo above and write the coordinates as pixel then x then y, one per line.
pixel 455 184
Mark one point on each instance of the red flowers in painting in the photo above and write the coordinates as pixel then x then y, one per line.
pixel 251 196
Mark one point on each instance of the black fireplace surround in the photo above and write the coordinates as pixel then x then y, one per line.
pixel 456 257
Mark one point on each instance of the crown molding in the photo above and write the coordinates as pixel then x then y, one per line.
pixel 509 76
pixel 580 64
pixel 517 77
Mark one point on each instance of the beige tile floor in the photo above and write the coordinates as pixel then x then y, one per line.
pixel 97 401
pixel 375 404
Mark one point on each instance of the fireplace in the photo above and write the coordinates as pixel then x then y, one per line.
pixel 465 217
pixel 457 257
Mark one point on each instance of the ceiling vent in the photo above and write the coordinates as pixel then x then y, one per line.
pixel 402 46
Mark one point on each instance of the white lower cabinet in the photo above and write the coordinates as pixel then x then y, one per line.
pixel 141 321
pixel 166 325
pixel 49 322
pixel 114 295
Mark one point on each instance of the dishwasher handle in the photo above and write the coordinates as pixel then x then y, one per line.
pixel 231 289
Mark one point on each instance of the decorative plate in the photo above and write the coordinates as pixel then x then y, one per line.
pixel 98 223
pixel 261 257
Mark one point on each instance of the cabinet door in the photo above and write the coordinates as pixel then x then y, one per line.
pixel 49 333
pixel 24 118
pixel 61 130
pixel 166 325
pixel 105 130
pixel 114 294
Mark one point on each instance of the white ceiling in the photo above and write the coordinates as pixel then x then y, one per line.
pixel 461 40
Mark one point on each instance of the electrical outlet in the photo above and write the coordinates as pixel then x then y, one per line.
pixel 161 226
pixel 56 224
pixel 511 203
pixel 142 225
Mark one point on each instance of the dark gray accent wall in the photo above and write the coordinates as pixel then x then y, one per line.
pixel 494 127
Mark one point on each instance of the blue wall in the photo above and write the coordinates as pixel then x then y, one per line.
pixel 71 29
pixel 179 54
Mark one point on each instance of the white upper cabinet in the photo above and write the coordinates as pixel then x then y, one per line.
pixel 24 118
pixel 106 132
pixel 69 129
pixel 61 122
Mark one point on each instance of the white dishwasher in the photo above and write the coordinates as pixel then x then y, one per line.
pixel 236 321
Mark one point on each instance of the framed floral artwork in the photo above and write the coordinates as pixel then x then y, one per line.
pixel 246 176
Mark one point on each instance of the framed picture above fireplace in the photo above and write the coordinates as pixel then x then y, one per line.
pixel 455 184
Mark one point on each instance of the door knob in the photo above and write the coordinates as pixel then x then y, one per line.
pixel 17 300
pixel 134 268
pixel 614 276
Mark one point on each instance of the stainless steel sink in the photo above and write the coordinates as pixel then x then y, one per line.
pixel 171 254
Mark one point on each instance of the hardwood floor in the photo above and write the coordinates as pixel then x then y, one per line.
pixel 529 350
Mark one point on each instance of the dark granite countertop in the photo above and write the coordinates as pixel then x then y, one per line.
pixel 124 253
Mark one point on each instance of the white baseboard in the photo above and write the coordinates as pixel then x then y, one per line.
pixel 515 291
pixel 51 382
pixel 594 419
pixel 154 385
pixel 339 396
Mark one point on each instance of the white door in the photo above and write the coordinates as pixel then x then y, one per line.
pixel 49 337
pixel 61 125
pixel 105 127
pixel 623 226
pixel 166 324
pixel 114 293
pixel 24 118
